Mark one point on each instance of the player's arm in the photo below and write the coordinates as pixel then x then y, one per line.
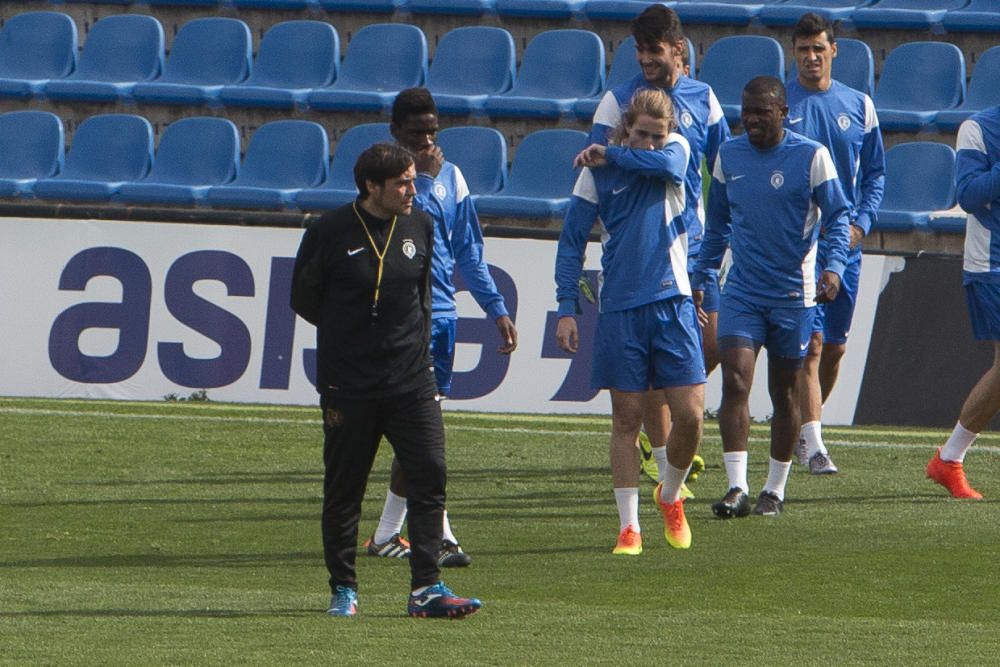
pixel 668 163
pixel 717 131
pixel 580 218
pixel 606 118
pixel 835 210
pixel 307 278
pixel 977 182
pixel 872 166
pixel 718 229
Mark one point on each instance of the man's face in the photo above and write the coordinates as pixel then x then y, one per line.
pixel 648 133
pixel 417 133
pixel 658 61
pixel 395 196
pixel 762 117
pixel 814 56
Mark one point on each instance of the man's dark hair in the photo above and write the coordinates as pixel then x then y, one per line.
pixel 379 163
pixel 657 23
pixel 412 102
pixel 767 86
pixel 813 24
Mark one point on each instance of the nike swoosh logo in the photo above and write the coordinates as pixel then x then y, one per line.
pixel 803 346
pixel 621 189
pixel 737 177
pixel 794 121
pixel 352 253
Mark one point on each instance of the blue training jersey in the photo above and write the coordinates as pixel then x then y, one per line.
pixel 458 241
pixel 977 177
pixel 770 206
pixel 639 198
pixel 700 120
pixel 844 120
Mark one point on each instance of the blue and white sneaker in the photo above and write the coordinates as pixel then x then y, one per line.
pixel 439 602
pixel 344 602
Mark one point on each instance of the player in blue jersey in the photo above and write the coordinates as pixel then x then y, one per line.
pixel 843 120
pixel 660 50
pixel 977 176
pixel 773 193
pixel 647 332
pixel 458 243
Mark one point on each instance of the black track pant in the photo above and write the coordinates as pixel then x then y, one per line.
pixel 353 428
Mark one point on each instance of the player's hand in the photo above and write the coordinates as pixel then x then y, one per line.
pixel 594 155
pixel 567 335
pixel 429 160
pixel 856 235
pixel 827 287
pixel 508 334
pixel 698 296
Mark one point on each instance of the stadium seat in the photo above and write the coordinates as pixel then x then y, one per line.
pixel 120 51
pixel 617 10
pixel 541 177
pixel 107 150
pixel 35 47
pixel 185 3
pixel 194 154
pixel 905 14
pixel 469 64
pixel 854 65
pixel 480 152
pixel 977 16
pixel 544 9
pixel 381 60
pixel 918 80
pixel 919 180
pixel 366 6
pixel 984 92
pixel 293 58
pixel 339 188
pixel 283 157
pixel 789 13
pixel 276 4
pixel 733 12
pixel 558 68
pixel 207 54
pixel 731 62
pixel 452 7
pixel 33 144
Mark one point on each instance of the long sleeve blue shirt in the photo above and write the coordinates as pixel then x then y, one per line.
pixel 977 179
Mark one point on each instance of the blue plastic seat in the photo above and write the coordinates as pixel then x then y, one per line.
pixel 469 64
pixel 731 62
pixel 545 9
pixel 33 145
pixel 207 54
pixel 480 152
pixel 854 65
pixel 339 188
pixel 107 150
pixel 789 13
pixel 366 6
pixel 185 3
pixel 731 12
pixel 277 4
pixel 382 59
pixel 559 67
pixel 194 154
pixel 294 57
pixel 35 47
pixel 283 157
pixel 984 92
pixel 120 51
pixel 918 80
pixel 452 7
pixel 977 16
pixel 541 177
pixel 617 10
pixel 919 181
pixel 903 14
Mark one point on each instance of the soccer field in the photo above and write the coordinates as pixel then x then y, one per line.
pixel 188 534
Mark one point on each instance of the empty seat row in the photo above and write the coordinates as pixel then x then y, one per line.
pixel 287 163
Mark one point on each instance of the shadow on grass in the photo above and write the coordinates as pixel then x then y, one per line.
pixel 167 560
pixel 164 613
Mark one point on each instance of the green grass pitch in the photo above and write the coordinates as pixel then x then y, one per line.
pixel 188 534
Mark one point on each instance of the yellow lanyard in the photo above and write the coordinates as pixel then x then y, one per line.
pixel 379 255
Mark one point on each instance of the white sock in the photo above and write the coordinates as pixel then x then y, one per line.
pixel 958 444
pixel 627 500
pixel 393 516
pixel 660 455
pixel 777 476
pixel 736 469
pixel 670 492
pixel 446 533
pixel 811 432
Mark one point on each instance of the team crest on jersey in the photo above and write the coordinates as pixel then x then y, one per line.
pixel 687 120
pixel 844 121
pixel 409 249
pixel 439 190
pixel 777 180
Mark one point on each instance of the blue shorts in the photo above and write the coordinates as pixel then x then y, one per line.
pixel 443 351
pixel 784 331
pixel 710 304
pixel 983 300
pixel 649 347
pixel 833 320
